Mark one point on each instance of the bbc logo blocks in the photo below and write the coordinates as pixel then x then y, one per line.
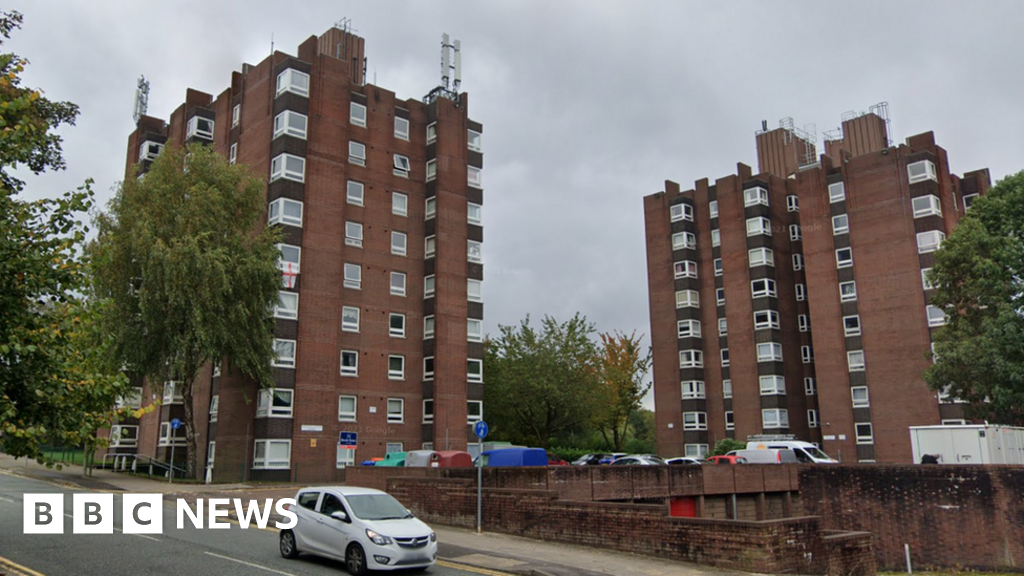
pixel 93 513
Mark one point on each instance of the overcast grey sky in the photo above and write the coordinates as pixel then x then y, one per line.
pixel 587 106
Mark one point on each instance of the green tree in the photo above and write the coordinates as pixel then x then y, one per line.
pixel 979 279
pixel 620 386
pixel 191 272
pixel 541 384
pixel 54 387
pixel 726 445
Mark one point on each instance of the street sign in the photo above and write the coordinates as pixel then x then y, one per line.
pixel 348 440
pixel 175 424
pixel 481 429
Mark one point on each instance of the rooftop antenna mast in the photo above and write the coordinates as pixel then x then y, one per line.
pixel 451 71
pixel 141 99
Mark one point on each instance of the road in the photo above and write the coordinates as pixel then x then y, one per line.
pixel 227 552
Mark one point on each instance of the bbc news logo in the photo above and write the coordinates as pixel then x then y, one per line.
pixel 144 513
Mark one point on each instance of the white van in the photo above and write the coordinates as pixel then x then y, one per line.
pixel 806 452
pixel 768 456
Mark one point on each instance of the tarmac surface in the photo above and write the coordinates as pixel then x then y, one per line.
pixel 488 552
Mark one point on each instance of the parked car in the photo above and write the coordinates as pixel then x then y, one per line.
pixel 767 456
pixel 805 451
pixel 610 458
pixel 685 461
pixel 365 528
pixel 726 460
pixel 554 460
pixel 639 460
pixel 592 459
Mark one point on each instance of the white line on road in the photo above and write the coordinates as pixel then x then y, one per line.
pixel 249 564
pixel 144 536
pixel 6 499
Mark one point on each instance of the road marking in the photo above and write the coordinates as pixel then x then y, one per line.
pixel 144 536
pixel 250 564
pixel 468 568
pixel 6 499
pixel 18 568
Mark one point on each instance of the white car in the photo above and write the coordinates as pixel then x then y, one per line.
pixel 365 528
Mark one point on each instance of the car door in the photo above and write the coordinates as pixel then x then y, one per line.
pixel 305 513
pixel 332 533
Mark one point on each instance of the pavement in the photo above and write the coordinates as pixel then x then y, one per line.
pixel 489 552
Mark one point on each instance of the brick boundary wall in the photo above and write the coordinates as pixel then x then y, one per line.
pixel 951 516
pixel 793 545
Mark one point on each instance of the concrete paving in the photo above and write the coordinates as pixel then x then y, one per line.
pixel 491 553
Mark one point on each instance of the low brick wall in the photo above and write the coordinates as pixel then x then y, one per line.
pixel 793 545
pixel 951 516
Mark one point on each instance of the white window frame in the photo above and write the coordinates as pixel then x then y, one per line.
pixel 474 375
pixel 803 322
pixel 474 330
pixel 474 251
pixel 236 114
pixel 356 153
pixel 283 125
pixel 769 320
pixel 929 241
pixel 687 299
pixel 266 463
pixel 194 130
pixel 146 150
pixel 860 397
pixel 730 420
pixel 927 205
pixel 968 200
pixel 474 176
pixel 774 418
pixel 428 327
pixel 864 432
pixel 396 279
pixel 795 234
pixel 285 251
pixel 431 170
pixel 936 316
pixel 402 165
pixel 813 418
pixel 792 203
pixel 348 326
pixel 118 438
pixel 925 283
pixel 474 290
pixel 754 196
pixel 355 192
pixel 344 457
pixel 836 192
pixel 289 167
pixel 351 370
pixel 472 418
pixel 926 172
pixel 847 296
pixel 723 327
pixel 855 361
pixel 768 291
pixel 393 330
pixel 396 410
pixel 801 292
pixel 681 211
pixel 713 208
pixel 284 361
pixel 798 261
pixel 265 403
pixel 399 243
pixel 692 389
pixel 401 128
pixel 695 420
pixel 233 153
pixel 691 358
pixel 761 257
pixel 844 257
pixel 396 367
pixel 428 411
pixel 287 307
pixel 357 114
pixel 685 269
pixel 353 276
pixel 291 80
pixel 807 354
pixel 772 385
pixel 474 214
pixel 429 285
pixel 688 328
pixel 429 208
pixel 132 400
pixel 348 415
pixel 684 241
pixel 695 450
pixel 167 434
pixel 428 367
pixel 844 227
pixel 727 388
pixel 851 325
pixel 431 130
pixel 769 352
pixel 810 386
pixel 277 212
pixel 724 353
pixel 759 226
pixel 716 237
pixel 474 140
pixel 720 296
pixel 399 204
pixel 717 263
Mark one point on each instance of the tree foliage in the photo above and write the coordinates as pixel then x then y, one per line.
pixel 54 386
pixel 192 277
pixel 726 445
pixel 622 367
pixel 979 279
pixel 541 384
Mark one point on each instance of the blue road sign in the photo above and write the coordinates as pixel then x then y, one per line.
pixel 481 429
pixel 175 424
pixel 348 439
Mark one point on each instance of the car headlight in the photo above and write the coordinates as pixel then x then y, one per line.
pixel 378 539
pixel 433 537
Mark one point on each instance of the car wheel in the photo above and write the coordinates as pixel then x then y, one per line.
pixel 288 547
pixel 355 560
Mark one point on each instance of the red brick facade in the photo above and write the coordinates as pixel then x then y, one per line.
pixel 333 65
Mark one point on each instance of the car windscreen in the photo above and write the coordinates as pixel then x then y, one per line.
pixel 816 454
pixel 376 507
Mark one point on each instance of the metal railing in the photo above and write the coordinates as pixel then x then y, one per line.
pixel 141 464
